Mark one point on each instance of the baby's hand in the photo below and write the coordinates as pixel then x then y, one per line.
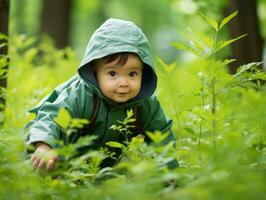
pixel 37 159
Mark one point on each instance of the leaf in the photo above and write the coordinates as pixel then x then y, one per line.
pixel 168 69
pixel 3 73
pixel 104 171
pixel 130 113
pixel 190 130
pixel 87 140
pixel 29 41
pixel 161 62
pixel 130 120
pixel 186 48
pixel 228 61
pixel 171 68
pixel 205 39
pixel 246 67
pixel 63 118
pixel 78 123
pixel 227 19
pixel 226 43
pixel 180 46
pixel 157 136
pixel 212 22
pixel 3 61
pixel 3 45
pixel 200 43
pixel 138 139
pixel 259 75
pixel 2 36
pixel 115 127
pixel 115 144
pixel 251 139
pixel 30 116
pixel 30 54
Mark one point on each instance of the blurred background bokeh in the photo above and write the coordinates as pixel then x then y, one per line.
pixel 72 22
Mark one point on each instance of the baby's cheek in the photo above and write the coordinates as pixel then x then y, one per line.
pixel 138 85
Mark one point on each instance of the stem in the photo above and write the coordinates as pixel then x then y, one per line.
pixel 213 93
pixel 213 112
pixel 240 82
pixel 126 137
pixel 203 104
pixel 261 137
pixel 200 134
pixel 175 109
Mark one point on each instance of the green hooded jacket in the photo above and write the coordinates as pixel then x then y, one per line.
pixel 76 94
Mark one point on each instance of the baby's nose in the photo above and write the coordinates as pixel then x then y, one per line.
pixel 122 82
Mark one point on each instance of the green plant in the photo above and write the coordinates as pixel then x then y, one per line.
pixel 125 126
pixel 214 80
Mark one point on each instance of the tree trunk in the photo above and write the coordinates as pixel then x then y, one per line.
pixel 4 17
pixel 55 20
pixel 250 48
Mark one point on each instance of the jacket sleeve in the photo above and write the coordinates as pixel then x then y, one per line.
pixel 156 120
pixel 43 128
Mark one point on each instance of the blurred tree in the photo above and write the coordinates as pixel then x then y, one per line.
pixel 55 20
pixel 24 17
pixel 100 14
pixel 250 48
pixel 20 11
pixel 4 17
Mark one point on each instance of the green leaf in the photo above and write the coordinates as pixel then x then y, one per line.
pixel 157 136
pixel 87 140
pixel 227 19
pixel 130 113
pixel 161 62
pixel 201 44
pixel 78 123
pixel 139 139
pixel 115 127
pixel 179 46
pixel 168 69
pixel 63 118
pixel 3 69
pixel 194 49
pixel 130 120
pixel 115 144
pixel 212 22
pixel 246 67
pixel 259 75
pixel 3 62
pixel 226 43
pixel 208 42
pixel 185 48
pixel 3 45
pixel 2 36
pixel 228 61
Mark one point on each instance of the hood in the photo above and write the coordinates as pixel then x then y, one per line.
pixel 115 36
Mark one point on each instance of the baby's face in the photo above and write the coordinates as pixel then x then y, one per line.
pixel 119 83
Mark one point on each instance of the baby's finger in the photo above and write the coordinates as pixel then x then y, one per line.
pixel 41 164
pixel 50 164
pixel 36 162
pixel 33 158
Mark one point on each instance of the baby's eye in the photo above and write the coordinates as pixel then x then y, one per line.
pixel 133 74
pixel 112 73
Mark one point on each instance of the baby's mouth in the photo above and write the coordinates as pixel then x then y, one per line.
pixel 122 93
